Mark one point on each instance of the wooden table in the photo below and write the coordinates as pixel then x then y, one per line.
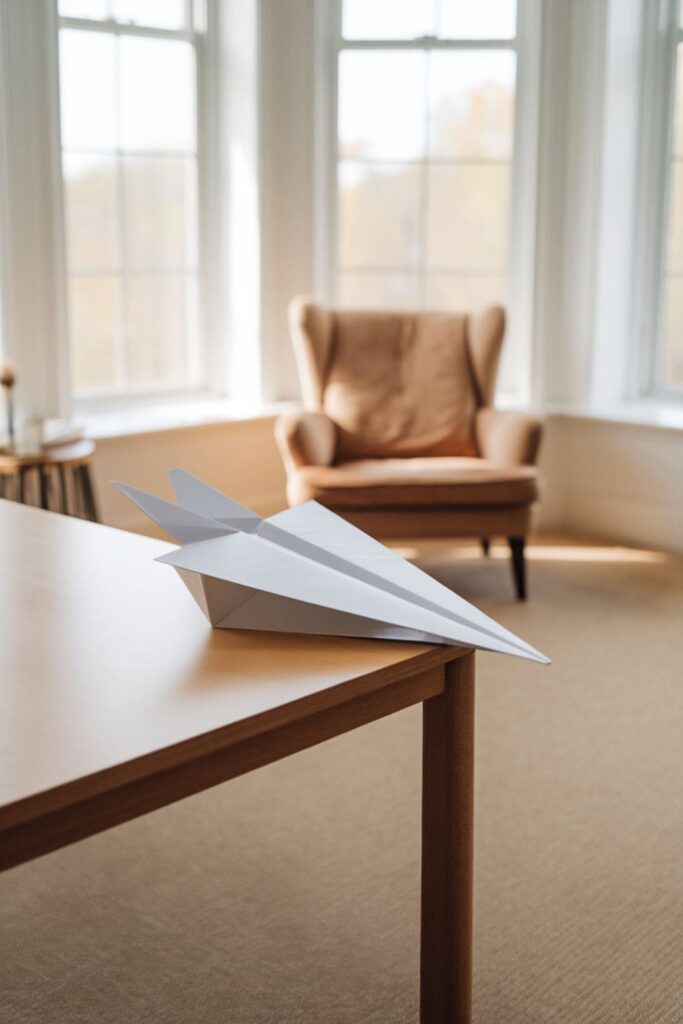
pixel 60 473
pixel 117 698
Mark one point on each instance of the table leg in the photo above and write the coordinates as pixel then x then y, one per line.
pixel 447 849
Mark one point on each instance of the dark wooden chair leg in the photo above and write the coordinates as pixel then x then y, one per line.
pixel 485 546
pixel 518 566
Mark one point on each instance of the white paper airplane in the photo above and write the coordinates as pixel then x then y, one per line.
pixel 306 570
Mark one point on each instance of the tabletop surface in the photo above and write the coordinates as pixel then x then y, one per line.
pixel 105 659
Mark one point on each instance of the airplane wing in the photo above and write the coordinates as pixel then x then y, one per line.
pixel 196 496
pixel 184 526
pixel 252 561
pixel 323 534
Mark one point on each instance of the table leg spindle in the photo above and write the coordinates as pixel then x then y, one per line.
pixel 88 493
pixel 44 488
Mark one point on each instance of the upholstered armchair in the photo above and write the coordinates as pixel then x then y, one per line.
pixel 399 434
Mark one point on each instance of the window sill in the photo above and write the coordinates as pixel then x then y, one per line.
pixel 198 412
pixel 181 415
pixel 657 414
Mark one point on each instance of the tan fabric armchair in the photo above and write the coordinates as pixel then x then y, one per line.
pixel 399 435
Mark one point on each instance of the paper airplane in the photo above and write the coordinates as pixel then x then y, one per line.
pixel 306 570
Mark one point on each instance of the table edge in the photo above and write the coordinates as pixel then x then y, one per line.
pixel 25 809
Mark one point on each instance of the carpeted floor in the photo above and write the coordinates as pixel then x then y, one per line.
pixel 291 895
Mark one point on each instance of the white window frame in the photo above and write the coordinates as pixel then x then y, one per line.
pixel 199 30
pixel 524 165
pixel 661 37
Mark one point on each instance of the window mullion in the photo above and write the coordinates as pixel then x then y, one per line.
pixel 200 341
pixel 424 187
pixel 121 327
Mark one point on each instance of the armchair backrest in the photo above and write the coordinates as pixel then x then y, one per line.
pixel 397 384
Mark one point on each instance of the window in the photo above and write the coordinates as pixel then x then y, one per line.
pixel 129 137
pixel 669 355
pixel 425 139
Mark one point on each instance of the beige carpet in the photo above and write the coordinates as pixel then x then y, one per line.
pixel 291 895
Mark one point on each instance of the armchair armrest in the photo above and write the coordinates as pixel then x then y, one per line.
pixel 306 439
pixel 508 437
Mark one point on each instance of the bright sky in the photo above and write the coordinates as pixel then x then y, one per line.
pixel 159 13
pixel 126 92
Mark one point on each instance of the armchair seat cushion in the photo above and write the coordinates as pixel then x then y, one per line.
pixel 441 482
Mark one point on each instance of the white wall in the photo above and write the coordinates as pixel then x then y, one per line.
pixel 620 481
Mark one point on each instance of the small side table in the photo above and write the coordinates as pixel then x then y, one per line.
pixel 57 478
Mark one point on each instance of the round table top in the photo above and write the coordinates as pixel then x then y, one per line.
pixel 77 453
